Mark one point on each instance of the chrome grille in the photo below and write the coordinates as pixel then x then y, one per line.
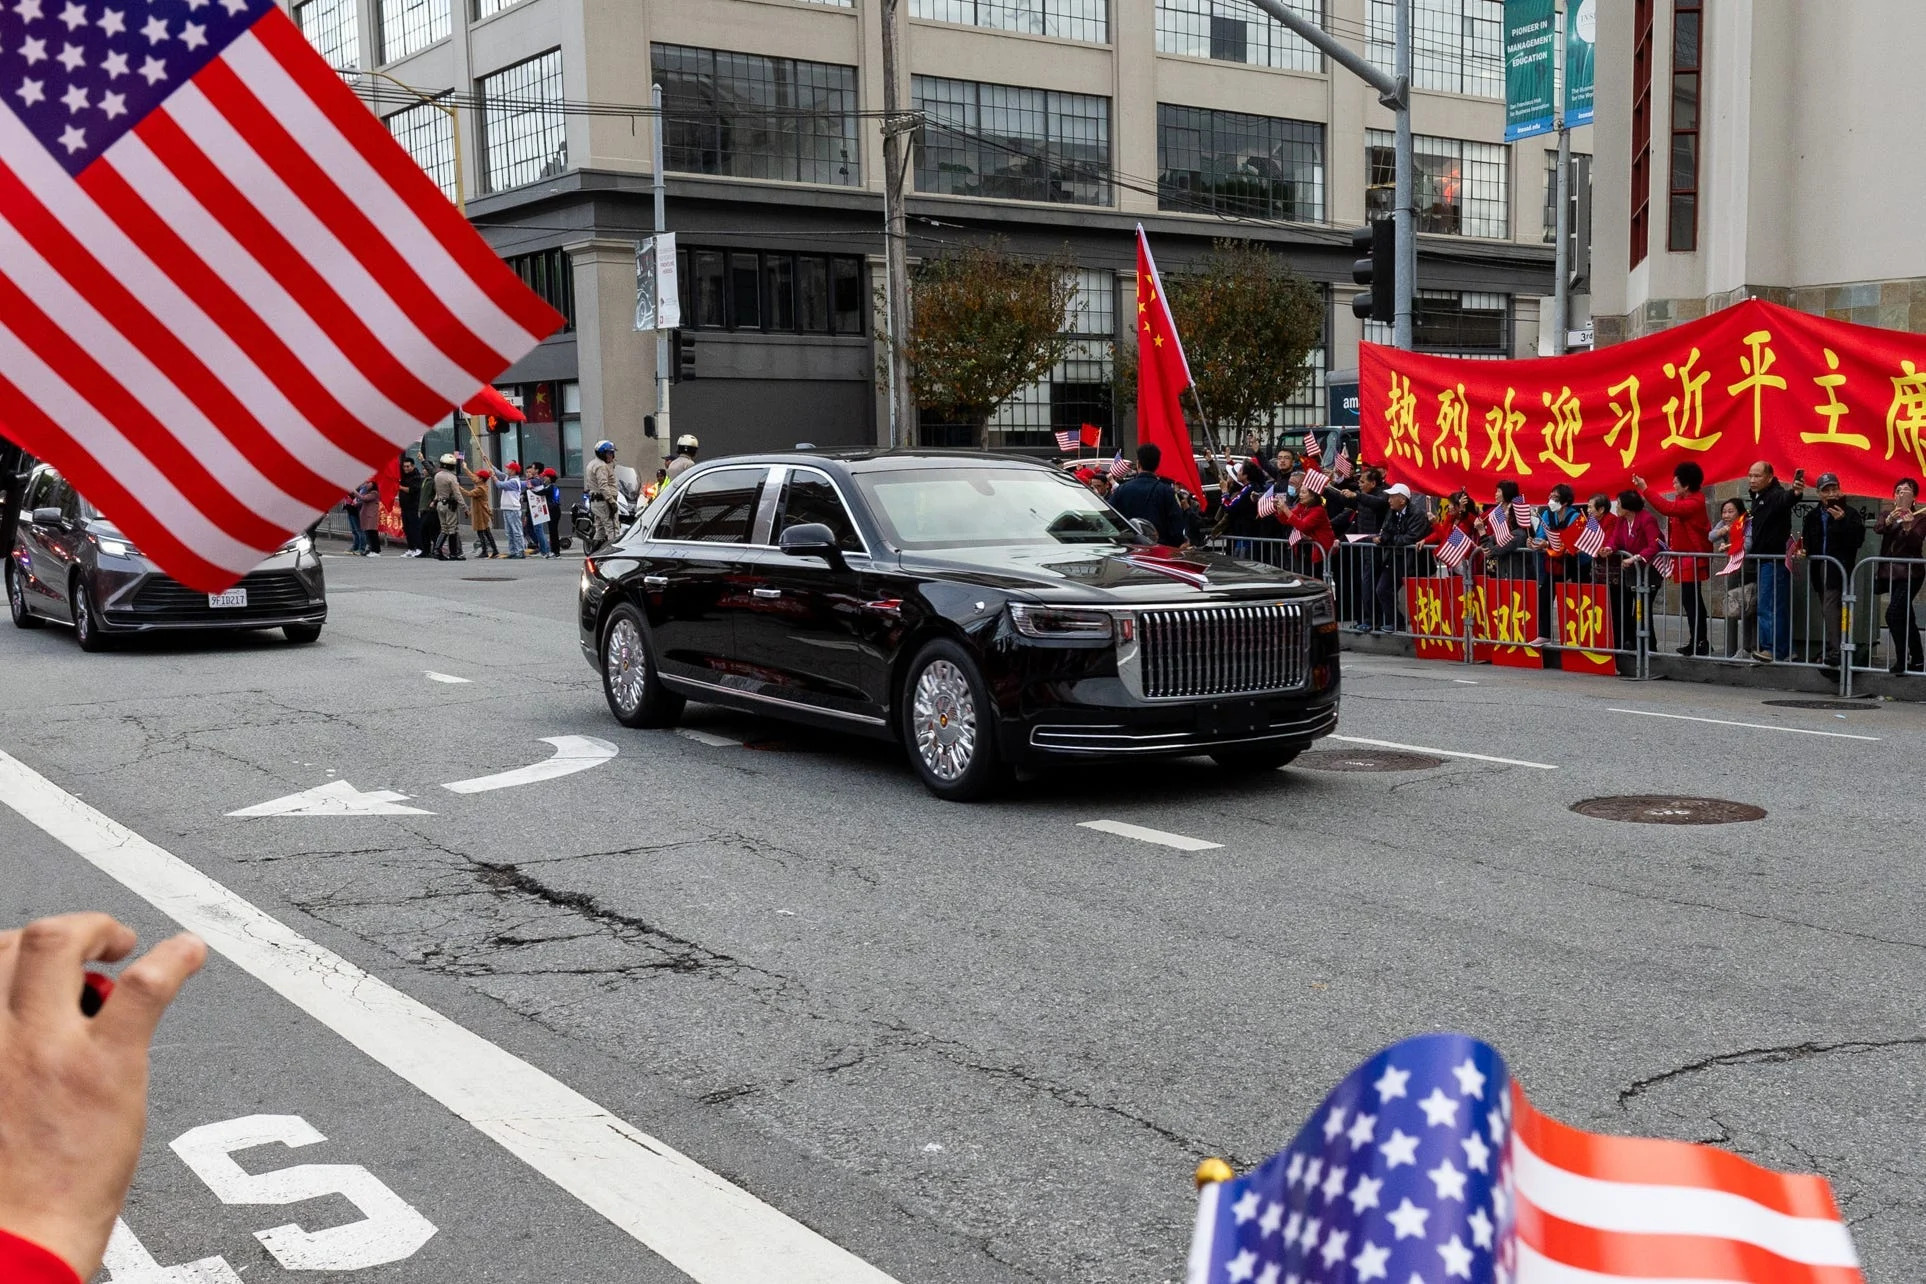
pixel 1222 650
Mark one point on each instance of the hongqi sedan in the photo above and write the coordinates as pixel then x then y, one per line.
pixel 70 565
pixel 989 613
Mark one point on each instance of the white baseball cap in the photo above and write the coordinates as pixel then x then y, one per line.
pixel 1400 489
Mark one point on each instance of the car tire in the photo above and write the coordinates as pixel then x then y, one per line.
pixel 23 618
pixel 1254 760
pixel 949 724
pixel 301 634
pixel 87 631
pixel 630 682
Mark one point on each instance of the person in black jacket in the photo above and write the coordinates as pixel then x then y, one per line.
pixel 1359 563
pixel 1146 496
pixel 1834 532
pixel 1403 529
pixel 1768 533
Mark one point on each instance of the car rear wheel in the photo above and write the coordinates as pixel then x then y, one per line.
pixel 1254 760
pixel 949 724
pixel 17 601
pixel 635 692
pixel 87 619
pixel 301 634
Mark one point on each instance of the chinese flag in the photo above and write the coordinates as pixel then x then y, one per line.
pixel 1162 376
pixel 1090 435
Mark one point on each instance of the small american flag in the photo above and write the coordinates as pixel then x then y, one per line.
pixel 1296 535
pixel 1591 539
pixel 1500 527
pixel 1554 538
pixel 1267 502
pixel 1341 466
pixel 1429 1163
pixel 1068 440
pixel 1735 563
pixel 1453 552
pixel 1521 510
pixel 1313 448
pixel 228 293
pixel 1315 481
pixel 1664 565
pixel 1119 467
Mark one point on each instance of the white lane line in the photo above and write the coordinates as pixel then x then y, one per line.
pixel 1755 726
pixel 572 754
pixel 1448 753
pixel 709 738
pixel 446 677
pixel 1141 834
pixel 712 1231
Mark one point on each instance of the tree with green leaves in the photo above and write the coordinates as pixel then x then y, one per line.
pixel 984 325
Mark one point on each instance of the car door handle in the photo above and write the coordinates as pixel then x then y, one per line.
pixel 655 581
pixel 767 592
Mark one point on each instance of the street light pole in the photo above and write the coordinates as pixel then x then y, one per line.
pixel 1562 229
pixel 897 126
pixel 1394 92
pixel 662 354
pixel 447 109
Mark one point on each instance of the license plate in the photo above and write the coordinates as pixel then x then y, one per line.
pixel 1237 719
pixel 233 597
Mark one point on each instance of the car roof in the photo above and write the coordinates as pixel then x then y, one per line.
pixel 881 460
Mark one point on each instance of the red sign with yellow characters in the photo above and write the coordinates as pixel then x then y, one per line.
pixel 1754 381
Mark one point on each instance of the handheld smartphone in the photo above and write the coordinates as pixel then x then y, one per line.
pixel 1798 474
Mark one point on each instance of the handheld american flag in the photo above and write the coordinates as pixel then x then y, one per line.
pixel 1341 466
pixel 1315 481
pixel 1591 539
pixel 1068 440
pixel 1429 1163
pixel 1521 513
pixel 1500 526
pixel 1119 467
pixel 1554 537
pixel 1664 565
pixel 1313 448
pixel 1267 502
pixel 228 294
pixel 1453 552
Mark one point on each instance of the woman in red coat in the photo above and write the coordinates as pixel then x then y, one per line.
pixel 1313 526
pixel 1689 530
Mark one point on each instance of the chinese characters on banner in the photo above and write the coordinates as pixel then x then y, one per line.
pixel 1436 609
pixel 1504 616
pixel 1754 381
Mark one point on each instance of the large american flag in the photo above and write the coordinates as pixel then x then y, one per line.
pixel 226 293
pixel 1428 1165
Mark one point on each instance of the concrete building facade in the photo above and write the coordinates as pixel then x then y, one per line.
pixel 1759 149
pixel 1056 125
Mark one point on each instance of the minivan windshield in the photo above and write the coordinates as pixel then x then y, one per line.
pixel 975 507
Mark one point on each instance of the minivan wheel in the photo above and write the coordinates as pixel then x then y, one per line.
pixel 86 620
pixel 23 618
pixel 635 692
pixel 949 724
pixel 301 634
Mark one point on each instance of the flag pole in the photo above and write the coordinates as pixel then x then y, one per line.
pixel 1210 440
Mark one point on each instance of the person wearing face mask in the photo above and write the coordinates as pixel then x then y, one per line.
pixel 1630 549
pixel 1557 560
pixel 1688 531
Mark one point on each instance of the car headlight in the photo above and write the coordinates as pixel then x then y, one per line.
pixel 115 547
pixel 1324 611
pixel 1060 623
pixel 299 544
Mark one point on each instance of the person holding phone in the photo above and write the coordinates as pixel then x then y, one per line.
pixel 1902 531
pixel 1768 537
pixel 1833 534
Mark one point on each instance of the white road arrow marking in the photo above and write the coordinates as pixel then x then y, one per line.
pixel 572 754
pixel 336 798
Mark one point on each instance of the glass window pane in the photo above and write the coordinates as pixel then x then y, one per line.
pixel 1685 222
pixel 428 134
pixel 408 26
pixel 719 507
pixel 1685 162
pixel 779 272
pixel 1233 163
pixel 524 133
pixel 1010 142
pixel 745 292
pixel 751 116
pixel 810 497
pixel 710 314
pixel 1236 31
pixel 1685 41
pixel 1064 19
pixel 846 295
pixel 1685 101
pixel 812 294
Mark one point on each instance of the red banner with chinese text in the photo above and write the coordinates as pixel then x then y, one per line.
pixel 1584 613
pixel 1505 612
pixel 1436 610
pixel 1754 381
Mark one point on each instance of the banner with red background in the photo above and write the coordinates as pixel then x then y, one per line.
pixel 1754 381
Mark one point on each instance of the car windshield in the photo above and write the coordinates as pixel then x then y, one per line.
pixel 972 507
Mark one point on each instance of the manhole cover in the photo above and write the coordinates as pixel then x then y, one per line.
pixel 488 579
pixel 1643 809
pixel 1830 706
pixel 1367 760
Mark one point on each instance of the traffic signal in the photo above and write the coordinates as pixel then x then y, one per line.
pixel 685 357
pixel 648 425
pixel 496 423
pixel 1379 271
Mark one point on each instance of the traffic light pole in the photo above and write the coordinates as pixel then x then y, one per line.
pixel 1394 92
pixel 1562 264
pixel 664 373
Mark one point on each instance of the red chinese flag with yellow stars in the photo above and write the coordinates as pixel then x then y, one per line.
pixel 1162 376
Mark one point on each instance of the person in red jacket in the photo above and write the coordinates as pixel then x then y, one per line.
pixel 1308 518
pixel 1630 547
pixel 1688 530
pixel 73 1088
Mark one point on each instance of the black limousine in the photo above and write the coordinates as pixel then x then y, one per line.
pixel 989 613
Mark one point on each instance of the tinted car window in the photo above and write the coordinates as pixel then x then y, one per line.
pixel 717 507
pixel 979 507
pixel 811 497
pixel 39 486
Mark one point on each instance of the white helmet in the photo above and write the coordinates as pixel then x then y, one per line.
pixel 687 441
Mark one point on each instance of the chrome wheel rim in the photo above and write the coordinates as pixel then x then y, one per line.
pixel 944 715
pixel 627 666
pixel 16 597
pixel 83 618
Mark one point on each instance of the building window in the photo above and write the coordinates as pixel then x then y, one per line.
pixel 571 429
pixel 1455 323
pixel 1228 162
pixel 1457 46
pixel 488 8
pixel 550 274
pixel 428 135
pixel 524 135
pixel 1065 19
pixel 1076 392
pixel 408 26
pixel 1012 144
pixel 777 293
pixel 1688 32
pixel 749 116
pixel 1580 175
pixel 1463 188
pixel 1236 31
pixel 333 27
pixel 1641 130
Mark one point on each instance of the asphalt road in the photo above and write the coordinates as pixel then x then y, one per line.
pixel 962 1043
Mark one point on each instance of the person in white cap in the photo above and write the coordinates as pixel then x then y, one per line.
pixel 1404 528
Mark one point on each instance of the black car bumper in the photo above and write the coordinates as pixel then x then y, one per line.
pixel 140 601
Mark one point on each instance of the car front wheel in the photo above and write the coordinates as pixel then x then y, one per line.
pixel 949 724
pixel 17 601
pixel 301 634
pixel 86 619
pixel 635 692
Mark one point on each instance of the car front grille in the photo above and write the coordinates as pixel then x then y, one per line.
pixel 274 593
pixel 1192 652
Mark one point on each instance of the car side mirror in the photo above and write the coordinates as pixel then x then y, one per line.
pixel 811 539
pixel 49 518
pixel 1147 529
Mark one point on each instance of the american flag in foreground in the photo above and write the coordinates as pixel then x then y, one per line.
pixel 1453 552
pixel 1119 467
pixel 1313 448
pixel 226 293
pixel 1521 510
pixel 1068 439
pixel 1267 502
pixel 1554 537
pixel 1315 481
pixel 1500 526
pixel 1341 466
pixel 1664 565
pixel 1428 1165
pixel 1591 539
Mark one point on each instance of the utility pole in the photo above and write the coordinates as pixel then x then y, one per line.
pixel 1562 260
pixel 897 126
pixel 1394 92
pixel 663 356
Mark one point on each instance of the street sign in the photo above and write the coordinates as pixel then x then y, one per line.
pixel 1581 36
pixel 1530 37
pixel 658 294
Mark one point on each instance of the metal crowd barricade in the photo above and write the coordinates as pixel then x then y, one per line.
pixel 1768 606
pixel 1885 615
